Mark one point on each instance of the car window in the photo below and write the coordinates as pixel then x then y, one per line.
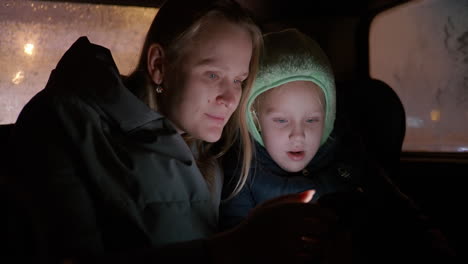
pixel 421 50
pixel 35 34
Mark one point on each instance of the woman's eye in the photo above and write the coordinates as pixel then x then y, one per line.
pixel 213 76
pixel 239 83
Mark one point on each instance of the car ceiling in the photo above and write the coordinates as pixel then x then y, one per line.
pixel 269 10
pixel 340 27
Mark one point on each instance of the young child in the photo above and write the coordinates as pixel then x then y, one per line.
pixel 291 116
pixel 291 113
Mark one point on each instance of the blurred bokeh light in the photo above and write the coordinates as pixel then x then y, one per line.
pixel 421 50
pixel 35 34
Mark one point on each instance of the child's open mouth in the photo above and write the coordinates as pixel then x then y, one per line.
pixel 296 155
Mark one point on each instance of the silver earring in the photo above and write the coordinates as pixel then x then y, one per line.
pixel 159 89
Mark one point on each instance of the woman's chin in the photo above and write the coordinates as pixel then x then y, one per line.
pixel 211 135
pixel 212 138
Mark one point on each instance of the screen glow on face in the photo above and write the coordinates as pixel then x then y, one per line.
pixel 291 119
pixel 208 85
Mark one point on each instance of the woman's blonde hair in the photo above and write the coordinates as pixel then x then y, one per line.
pixel 175 25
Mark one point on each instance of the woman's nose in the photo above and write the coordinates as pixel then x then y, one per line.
pixel 229 97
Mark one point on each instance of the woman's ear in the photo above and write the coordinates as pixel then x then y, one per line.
pixel 156 62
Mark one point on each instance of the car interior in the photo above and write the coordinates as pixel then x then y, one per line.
pixel 396 94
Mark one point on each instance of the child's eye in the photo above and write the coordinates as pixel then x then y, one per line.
pixel 312 120
pixel 280 120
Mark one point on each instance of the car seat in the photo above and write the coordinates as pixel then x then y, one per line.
pixel 373 111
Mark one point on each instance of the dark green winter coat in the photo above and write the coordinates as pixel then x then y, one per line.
pixel 99 171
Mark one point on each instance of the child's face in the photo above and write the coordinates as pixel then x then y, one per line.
pixel 291 122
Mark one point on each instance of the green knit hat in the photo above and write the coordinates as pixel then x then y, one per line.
pixel 290 55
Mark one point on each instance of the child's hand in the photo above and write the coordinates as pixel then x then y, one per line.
pixel 303 197
pixel 287 229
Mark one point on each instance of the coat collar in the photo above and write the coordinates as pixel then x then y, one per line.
pixel 322 158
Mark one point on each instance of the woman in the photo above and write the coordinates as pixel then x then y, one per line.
pixel 105 173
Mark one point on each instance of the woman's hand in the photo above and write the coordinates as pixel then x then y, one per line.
pixel 287 229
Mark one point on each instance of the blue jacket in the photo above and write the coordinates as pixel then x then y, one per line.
pixel 385 225
pixel 267 180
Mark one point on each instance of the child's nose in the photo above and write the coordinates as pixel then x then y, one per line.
pixel 297 133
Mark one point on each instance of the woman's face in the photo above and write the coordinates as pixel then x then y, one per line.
pixel 204 89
